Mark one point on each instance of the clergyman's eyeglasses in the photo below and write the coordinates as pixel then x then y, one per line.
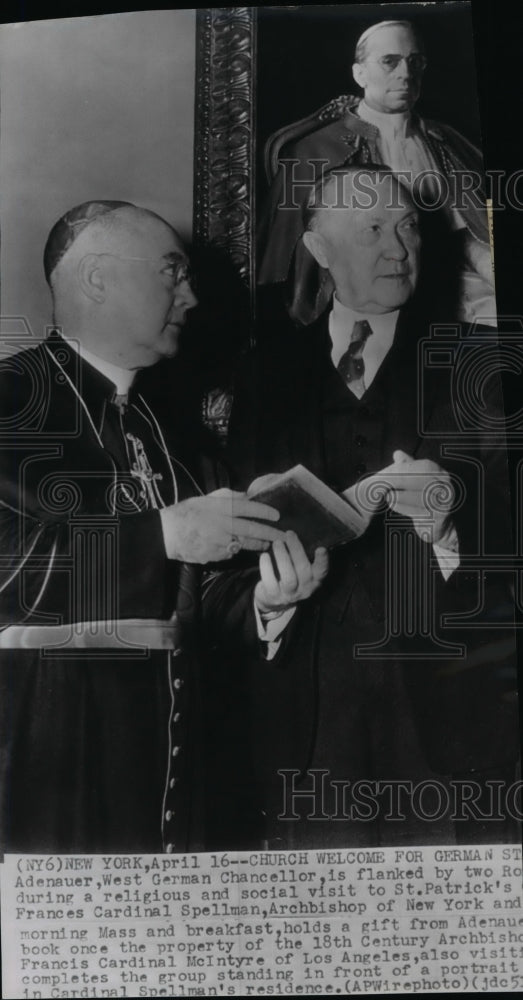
pixel 175 266
pixel 416 62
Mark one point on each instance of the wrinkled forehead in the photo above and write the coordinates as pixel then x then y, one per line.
pixel 392 40
pixel 343 223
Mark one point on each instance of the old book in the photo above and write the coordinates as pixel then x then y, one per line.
pixel 317 514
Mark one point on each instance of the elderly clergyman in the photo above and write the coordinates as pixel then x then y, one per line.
pixel 102 534
pixel 381 127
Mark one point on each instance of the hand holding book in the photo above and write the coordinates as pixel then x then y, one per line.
pixel 317 515
pixel 287 575
pixel 417 488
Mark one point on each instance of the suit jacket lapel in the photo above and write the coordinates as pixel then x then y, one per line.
pixel 401 386
pixel 306 443
pixel 400 382
pixel 409 395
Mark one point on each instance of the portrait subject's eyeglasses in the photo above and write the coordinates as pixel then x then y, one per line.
pixel 416 62
pixel 175 267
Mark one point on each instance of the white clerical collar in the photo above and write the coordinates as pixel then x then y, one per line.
pixel 122 378
pixel 393 126
pixel 377 346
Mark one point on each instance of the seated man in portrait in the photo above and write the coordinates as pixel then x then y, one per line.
pixel 381 127
pixel 400 669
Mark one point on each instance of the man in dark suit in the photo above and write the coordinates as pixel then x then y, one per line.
pixel 373 687
pixel 104 530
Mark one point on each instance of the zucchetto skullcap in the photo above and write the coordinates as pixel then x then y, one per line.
pixel 377 27
pixel 65 231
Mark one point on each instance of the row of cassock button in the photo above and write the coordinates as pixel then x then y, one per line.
pixel 360 441
pixel 169 815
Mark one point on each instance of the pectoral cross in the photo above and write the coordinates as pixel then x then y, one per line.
pixel 141 470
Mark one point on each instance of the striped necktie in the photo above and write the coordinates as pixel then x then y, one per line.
pixel 351 365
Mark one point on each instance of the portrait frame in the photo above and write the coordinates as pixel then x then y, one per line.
pixel 225 133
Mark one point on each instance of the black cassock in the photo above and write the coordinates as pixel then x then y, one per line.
pixel 100 740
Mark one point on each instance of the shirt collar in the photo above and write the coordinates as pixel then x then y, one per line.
pixel 393 126
pixel 122 378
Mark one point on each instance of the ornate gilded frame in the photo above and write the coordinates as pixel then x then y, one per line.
pixel 224 150
pixel 224 174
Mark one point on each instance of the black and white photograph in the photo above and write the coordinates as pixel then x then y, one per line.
pixel 260 432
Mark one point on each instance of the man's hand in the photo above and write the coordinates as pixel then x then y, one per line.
pixel 263 482
pixel 422 490
pixel 293 578
pixel 215 527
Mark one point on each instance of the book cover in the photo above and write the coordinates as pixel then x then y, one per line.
pixel 317 514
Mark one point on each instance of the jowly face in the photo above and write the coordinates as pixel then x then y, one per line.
pixel 149 292
pixel 373 252
pixel 392 70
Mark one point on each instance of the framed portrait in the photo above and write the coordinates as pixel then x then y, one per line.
pixel 261 69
